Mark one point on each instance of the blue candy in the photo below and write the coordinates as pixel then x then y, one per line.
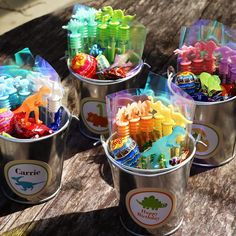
pixel 188 82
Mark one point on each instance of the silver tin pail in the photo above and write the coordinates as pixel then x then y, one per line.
pixel 31 169
pixel 151 204
pixel 215 124
pixel 91 105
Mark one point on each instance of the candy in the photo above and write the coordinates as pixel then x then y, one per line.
pixel 115 73
pixel 188 82
pixel 102 62
pixel 34 130
pixel 6 124
pixel 200 97
pixel 125 151
pixel 84 65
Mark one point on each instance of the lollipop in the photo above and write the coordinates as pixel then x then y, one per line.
pixel 125 151
pixel 84 65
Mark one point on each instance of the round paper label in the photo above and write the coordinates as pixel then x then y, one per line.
pixel 27 178
pixel 210 136
pixel 150 207
pixel 93 114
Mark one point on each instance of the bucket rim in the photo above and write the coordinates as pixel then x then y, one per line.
pixel 28 140
pixel 198 103
pixel 145 172
pixel 106 82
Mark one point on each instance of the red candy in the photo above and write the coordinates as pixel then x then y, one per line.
pixel 229 89
pixel 32 130
pixel 116 73
pixel 84 65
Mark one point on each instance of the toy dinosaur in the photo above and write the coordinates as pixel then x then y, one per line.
pixel 152 203
pixel 25 185
pixel 163 145
pixel 179 119
pixel 32 103
pixel 168 112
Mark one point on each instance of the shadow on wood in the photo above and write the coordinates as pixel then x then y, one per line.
pixel 104 222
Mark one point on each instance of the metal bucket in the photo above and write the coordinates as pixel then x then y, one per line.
pixel 151 204
pixel 215 124
pixel 92 104
pixel 31 169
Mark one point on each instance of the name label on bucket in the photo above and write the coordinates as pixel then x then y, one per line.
pixel 150 207
pixel 93 114
pixel 27 178
pixel 210 135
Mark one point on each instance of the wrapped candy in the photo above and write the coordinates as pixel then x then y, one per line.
pixel 33 130
pixel 188 82
pixel 115 73
pixel 102 62
pixel 125 151
pixel 84 65
pixel 6 124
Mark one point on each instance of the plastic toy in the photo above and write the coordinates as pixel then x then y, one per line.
pixel 162 146
pixel 210 83
pixel 185 63
pixel 209 60
pixel 32 103
pixel 124 33
pixel 74 38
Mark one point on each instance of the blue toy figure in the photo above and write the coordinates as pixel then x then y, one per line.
pixel 163 145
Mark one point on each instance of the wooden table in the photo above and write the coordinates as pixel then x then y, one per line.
pixel 87 203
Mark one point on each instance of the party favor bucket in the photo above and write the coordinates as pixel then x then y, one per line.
pixel 92 104
pixel 214 123
pixel 31 169
pixel 151 203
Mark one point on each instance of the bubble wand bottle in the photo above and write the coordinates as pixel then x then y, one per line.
pixel 12 92
pixel 134 120
pixel 74 38
pixel 197 63
pixel 209 60
pixel 185 63
pixel 223 66
pixel 122 123
pixel 24 91
pixel 102 33
pixel 124 34
pixel 4 98
pixel 92 28
pixel 54 110
pixel 113 33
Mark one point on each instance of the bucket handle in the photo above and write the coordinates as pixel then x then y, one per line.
pixel 115 164
pixel 198 140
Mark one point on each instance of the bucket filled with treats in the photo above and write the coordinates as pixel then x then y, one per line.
pixel 105 50
pixel 33 125
pixel 150 151
pixel 206 71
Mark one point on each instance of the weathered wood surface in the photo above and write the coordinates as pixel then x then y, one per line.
pixel 87 203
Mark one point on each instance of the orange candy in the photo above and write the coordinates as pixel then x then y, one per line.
pixel 84 64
